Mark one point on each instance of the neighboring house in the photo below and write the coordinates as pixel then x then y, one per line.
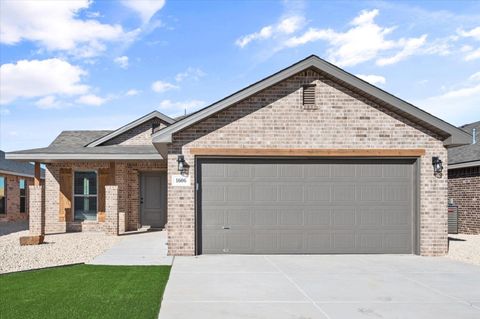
pixel 464 181
pixel 15 178
pixel 308 160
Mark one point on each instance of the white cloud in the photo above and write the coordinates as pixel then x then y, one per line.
pixel 132 92
pixel 38 78
pixel 457 105
pixel 364 41
pixel 122 61
pixel 55 25
pixel 48 102
pixel 372 79
pixel 475 77
pixel 91 99
pixel 285 26
pixel 180 108
pixel 473 55
pixel 473 33
pixel 146 9
pixel 190 73
pixel 162 86
pixel 410 47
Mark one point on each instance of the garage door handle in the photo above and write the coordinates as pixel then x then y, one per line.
pixel 226 227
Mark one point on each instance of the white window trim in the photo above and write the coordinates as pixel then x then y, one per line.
pixel 73 195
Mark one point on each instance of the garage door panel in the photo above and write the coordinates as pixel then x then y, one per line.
pixel 306 206
pixel 290 217
pixel 291 193
pixel 265 241
pixel 213 217
pixel 265 217
pixel 238 217
pixel 290 241
pixel 213 193
pixel 265 192
pixel 343 216
pixel 318 192
pixel 318 216
pixel 344 193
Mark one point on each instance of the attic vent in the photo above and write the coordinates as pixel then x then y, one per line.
pixel 309 97
pixel 155 127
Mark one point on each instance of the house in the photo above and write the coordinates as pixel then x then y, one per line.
pixel 464 181
pixel 308 160
pixel 15 178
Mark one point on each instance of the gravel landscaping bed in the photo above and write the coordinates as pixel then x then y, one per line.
pixel 464 248
pixel 59 249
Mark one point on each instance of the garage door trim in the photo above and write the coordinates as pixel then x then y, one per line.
pixel 202 159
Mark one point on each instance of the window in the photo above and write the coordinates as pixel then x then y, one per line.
pixel 309 96
pixel 3 201
pixel 23 195
pixel 85 195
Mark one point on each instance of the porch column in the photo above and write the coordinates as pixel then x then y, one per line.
pixel 36 217
pixel 36 179
pixel 111 209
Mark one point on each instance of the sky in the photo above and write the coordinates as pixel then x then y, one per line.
pixel 82 65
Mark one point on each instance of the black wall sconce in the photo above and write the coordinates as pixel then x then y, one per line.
pixel 437 166
pixel 181 163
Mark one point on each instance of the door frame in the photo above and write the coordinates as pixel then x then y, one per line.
pixel 141 187
pixel 416 178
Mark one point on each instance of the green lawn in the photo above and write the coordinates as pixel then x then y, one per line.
pixel 84 291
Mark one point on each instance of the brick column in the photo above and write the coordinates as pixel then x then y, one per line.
pixel 111 209
pixel 36 219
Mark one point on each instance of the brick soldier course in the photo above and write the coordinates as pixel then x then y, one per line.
pixel 344 117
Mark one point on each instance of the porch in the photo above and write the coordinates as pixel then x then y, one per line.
pixel 114 197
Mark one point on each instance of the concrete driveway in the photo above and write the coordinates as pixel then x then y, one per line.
pixel 335 286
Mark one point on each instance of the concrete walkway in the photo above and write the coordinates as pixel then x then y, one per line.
pixel 143 248
pixel 324 287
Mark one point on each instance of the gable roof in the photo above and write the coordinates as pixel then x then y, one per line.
pixel 77 138
pixel 451 134
pixel 87 145
pixel 123 129
pixel 467 155
pixel 16 168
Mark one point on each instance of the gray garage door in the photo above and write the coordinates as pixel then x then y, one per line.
pixel 305 206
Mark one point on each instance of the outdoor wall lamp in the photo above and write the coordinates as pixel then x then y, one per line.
pixel 437 166
pixel 181 163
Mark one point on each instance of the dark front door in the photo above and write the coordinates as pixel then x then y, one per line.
pixel 153 199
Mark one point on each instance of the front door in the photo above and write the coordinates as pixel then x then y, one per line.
pixel 153 199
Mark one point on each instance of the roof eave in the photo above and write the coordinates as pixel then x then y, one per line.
pixel 131 125
pixel 453 135
pixel 49 157
pixel 464 164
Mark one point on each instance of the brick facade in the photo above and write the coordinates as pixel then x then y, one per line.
pixel 464 191
pixel 12 193
pixel 37 219
pixel 276 118
pixel 127 180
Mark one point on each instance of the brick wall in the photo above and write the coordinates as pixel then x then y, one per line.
pixel 12 200
pixel 37 220
pixel 127 180
pixel 464 190
pixel 140 135
pixel 275 118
